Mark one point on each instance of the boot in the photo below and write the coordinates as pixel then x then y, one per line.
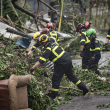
pixel 82 86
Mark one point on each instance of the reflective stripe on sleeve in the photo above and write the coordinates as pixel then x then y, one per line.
pixel 34 47
pixel 108 35
pixel 42 59
pixel 78 82
pixel 82 40
pixel 97 39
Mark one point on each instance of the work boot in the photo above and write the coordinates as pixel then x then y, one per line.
pixel 85 91
pixel 83 87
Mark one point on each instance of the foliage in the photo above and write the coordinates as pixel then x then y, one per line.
pixel 24 16
pixel 8 9
pixel 14 61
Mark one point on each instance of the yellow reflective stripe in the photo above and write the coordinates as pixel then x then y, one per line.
pixel 34 47
pixel 42 47
pixel 84 33
pixel 97 39
pixel 78 82
pixel 54 89
pixel 45 40
pixel 57 39
pixel 48 48
pixel 108 35
pixel 58 56
pixel 82 40
pixel 97 69
pixel 87 39
pixel 84 69
pixel 94 49
pixel 42 58
pixel 54 50
pixel 53 34
pixel 53 38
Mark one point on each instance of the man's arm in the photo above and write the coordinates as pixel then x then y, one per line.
pixel 30 52
pixel 107 40
pixel 81 47
pixel 37 64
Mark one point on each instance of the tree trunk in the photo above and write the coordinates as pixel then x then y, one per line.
pixel 97 5
pixel 27 12
pixel 90 9
pixel 106 18
pixel 18 33
pixel 102 13
pixel 108 2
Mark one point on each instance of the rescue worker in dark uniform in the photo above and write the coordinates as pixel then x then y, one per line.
pixel 84 48
pixel 52 33
pixel 46 31
pixel 94 52
pixel 62 65
pixel 35 36
pixel 107 39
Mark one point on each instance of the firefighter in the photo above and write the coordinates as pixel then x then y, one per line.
pixel 62 64
pixel 87 25
pixel 94 52
pixel 52 33
pixel 37 44
pixel 46 31
pixel 84 48
pixel 107 39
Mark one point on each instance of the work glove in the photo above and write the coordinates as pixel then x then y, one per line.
pixel 81 53
pixel 105 46
pixel 93 58
pixel 32 71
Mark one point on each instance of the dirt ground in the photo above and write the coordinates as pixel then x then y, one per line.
pixel 90 102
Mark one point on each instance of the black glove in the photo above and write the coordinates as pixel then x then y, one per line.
pixel 32 71
pixel 81 53
pixel 105 46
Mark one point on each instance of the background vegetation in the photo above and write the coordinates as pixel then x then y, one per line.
pixel 13 58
